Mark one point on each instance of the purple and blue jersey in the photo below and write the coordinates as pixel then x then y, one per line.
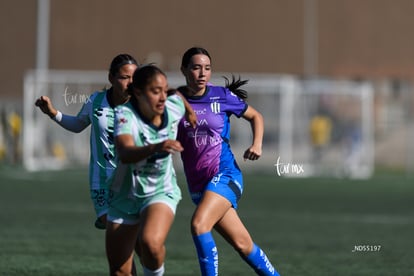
pixel 210 165
pixel 206 148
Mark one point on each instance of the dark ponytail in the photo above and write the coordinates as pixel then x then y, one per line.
pixel 234 86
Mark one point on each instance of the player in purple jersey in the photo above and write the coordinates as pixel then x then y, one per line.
pixel 213 176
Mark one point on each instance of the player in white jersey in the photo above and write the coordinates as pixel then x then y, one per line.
pixel 144 187
pixel 98 111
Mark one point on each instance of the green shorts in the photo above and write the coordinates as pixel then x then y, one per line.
pixel 128 211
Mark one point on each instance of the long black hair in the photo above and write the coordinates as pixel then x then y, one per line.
pixel 234 86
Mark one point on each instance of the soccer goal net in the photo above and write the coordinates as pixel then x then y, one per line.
pixel 312 127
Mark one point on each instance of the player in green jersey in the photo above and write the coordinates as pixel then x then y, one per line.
pixel 144 187
pixel 98 111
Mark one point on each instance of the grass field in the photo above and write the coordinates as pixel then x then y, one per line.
pixel 306 226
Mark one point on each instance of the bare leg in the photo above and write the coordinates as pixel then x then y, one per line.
pixel 215 211
pixel 120 243
pixel 234 232
pixel 156 221
pixel 210 210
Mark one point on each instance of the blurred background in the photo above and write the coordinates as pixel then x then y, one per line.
pixel 333 78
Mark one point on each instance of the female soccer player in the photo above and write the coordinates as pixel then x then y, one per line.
pixel 98 111
pixel 144 185
pixel 213 176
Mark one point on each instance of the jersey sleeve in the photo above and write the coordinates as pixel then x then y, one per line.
pixel 234 104
pixel 123 121
pixel 73 123
pixel 175 105
pixel 81 121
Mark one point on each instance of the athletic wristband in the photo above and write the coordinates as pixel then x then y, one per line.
pixel 58 117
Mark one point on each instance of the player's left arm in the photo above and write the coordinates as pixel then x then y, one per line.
pixel 257 125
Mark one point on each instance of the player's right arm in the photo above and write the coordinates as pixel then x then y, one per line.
pixel 71 123
pixel 126 148
pixel 128 152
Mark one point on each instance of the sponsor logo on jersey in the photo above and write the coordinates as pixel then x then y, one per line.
pixel 200 112
pixel 202 122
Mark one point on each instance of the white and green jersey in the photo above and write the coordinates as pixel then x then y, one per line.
pixel 133 183
pixel 98 112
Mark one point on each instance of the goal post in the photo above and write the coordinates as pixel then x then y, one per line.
pixel 339 110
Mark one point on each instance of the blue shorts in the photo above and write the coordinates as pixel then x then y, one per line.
pixel 227 184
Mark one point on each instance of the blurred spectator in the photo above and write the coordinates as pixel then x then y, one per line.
pixel 320 129
pixel 11 126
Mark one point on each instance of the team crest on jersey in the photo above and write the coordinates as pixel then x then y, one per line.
pixel 215 107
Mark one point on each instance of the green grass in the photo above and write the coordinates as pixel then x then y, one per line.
pixel 306 226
